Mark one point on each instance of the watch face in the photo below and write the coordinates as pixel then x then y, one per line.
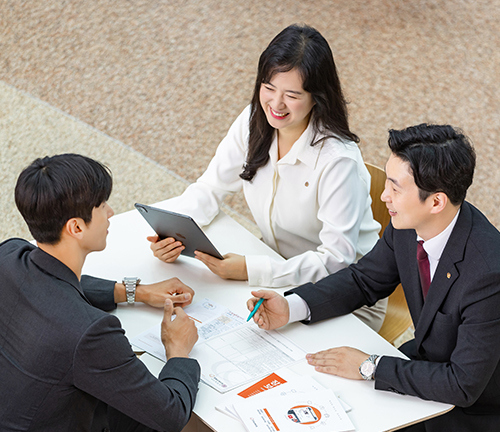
pixel 367 369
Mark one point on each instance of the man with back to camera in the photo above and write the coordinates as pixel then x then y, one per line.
pixel 65 364
pixel 445 253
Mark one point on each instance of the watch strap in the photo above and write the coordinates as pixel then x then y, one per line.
pixel 130 288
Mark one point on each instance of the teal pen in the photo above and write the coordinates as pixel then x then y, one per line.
pixel 255 309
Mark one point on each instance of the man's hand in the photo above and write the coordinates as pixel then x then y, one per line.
pixel 233 266
pixel 343 361
pixel 173 289
pixel 180 335
pixel 156 294
pixel 167 250
pixel 273 313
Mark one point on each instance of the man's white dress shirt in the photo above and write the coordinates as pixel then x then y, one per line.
pixel 299 310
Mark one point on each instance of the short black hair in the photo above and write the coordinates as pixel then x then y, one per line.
pixel 52 190
pixel 441 159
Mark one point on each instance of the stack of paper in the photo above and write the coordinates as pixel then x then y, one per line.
pixel 295 404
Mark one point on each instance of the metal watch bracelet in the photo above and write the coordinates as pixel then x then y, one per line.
pixel 130 288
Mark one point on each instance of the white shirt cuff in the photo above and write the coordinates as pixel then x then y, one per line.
pixel 258 270
pixel 299 310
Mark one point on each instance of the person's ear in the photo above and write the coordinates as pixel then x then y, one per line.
pixel 74 227
pixel 439 202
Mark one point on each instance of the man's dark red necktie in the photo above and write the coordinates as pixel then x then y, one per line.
pixel 423 268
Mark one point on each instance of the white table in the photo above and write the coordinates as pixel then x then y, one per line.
pixel 128 254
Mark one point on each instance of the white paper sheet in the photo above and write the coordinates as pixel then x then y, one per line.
pixel 242 355
pixel 230 351
pixel 318 411
pixel 210 318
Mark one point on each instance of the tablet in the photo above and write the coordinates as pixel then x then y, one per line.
pixel 179 226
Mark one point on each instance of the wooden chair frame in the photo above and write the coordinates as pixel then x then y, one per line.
pixel 397 319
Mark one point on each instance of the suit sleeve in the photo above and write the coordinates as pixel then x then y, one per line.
pixel 100 292
pixel 374 277
pixel 471 336
pixel 106 367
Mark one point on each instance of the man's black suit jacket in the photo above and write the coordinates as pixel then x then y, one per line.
pixel 60 355
pixel 456 349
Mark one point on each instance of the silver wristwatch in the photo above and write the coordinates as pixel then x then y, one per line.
pixel 367 368
pixel 130 287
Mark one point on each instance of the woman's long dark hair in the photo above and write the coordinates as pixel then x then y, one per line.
pixel 303 48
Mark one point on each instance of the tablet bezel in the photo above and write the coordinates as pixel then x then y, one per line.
pixel 182 227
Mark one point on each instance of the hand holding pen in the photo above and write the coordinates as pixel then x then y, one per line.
pixel 255 309
pixel 268 309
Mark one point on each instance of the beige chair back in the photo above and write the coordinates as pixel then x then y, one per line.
pixel 397 319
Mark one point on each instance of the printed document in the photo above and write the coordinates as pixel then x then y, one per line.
pixel 210 318
pixel 318 411
pixel 230 351
pixel 276 385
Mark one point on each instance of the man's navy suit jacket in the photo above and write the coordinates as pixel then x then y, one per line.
pixel 60 355
pixel 456 350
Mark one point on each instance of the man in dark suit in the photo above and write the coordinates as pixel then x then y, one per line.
pixel 65 364
pixel 446 255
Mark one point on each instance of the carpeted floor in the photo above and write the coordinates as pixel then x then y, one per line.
pixel 168 78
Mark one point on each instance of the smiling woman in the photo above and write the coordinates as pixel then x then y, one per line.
pixel 287 107
pixel 302 174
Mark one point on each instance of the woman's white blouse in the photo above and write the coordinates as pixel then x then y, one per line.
pixel 312 206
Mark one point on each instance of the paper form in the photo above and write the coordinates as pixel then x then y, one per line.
pixel 242 355
pixel 230 351
pixel 210 318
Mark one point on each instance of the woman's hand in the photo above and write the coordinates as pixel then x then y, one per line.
pixel 167 250
pixel 273 313
pixel 233 266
